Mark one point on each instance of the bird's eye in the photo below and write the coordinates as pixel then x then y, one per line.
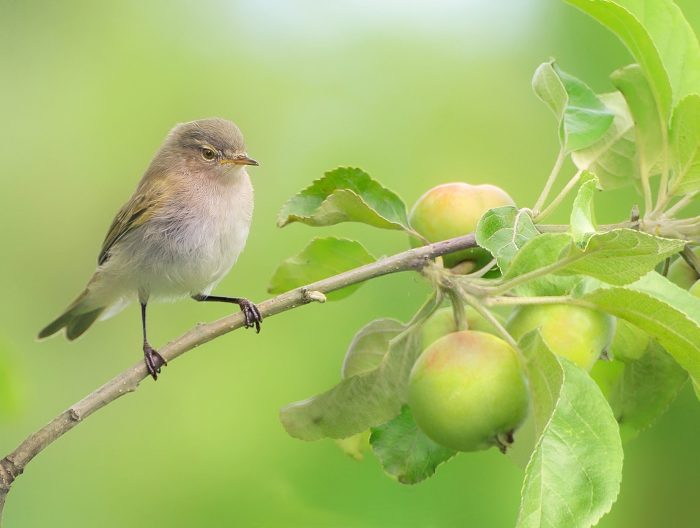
pixel 208 154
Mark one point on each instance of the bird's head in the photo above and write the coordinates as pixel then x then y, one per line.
pixel 212 146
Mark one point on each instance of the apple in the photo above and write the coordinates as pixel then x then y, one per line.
pixel 442 322
pixel 681 273
pixel 454 209
pixel 608 376
pixel 574 332
pixel 468 392
pixel 629 343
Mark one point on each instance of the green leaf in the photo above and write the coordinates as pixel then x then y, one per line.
pixel 620 256
pixel 545 378
pixel 321 258
pixel 503 231
pixel 666 312
pixel 650 125
pixel 583 118
pixel 354 446
pixel 545 250
pixel 345 195
pixel 660 40
pixel 613 158
pixel 404 451
pixel 685 147
pixel 646 390
pixel 583 224
pixel 358 402
pixel 369 346
pixel 574 474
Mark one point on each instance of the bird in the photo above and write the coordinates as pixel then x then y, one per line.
pixel 178 235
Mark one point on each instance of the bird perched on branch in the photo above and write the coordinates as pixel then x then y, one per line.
pixel 178 235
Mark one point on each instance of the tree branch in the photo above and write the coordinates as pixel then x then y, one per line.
pixel 128 381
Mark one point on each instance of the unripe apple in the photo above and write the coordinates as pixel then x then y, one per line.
pixel 629 343
pixel 681 273
pixel 468 392
pixel 454 209
pixel 608 374
pixel 442 322
pixel 576 333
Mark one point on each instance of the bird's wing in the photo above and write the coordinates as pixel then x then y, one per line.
pixel 142 206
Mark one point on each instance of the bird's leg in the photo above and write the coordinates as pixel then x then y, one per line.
pixel 154 361
pixel 252 315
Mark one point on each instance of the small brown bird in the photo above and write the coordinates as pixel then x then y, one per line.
pixel 178 235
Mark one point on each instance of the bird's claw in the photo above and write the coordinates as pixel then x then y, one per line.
pixel 154 361
pixel 252 315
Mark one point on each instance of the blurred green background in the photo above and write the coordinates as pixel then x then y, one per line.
pixel 417 93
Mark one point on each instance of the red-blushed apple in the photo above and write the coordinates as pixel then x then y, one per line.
pixel 574 332
pixel 442 322
pixel 468 391
pixel 454 209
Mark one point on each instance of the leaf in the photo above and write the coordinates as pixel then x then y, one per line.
pixel 345 195
pixel 545 250
pixel 666 312
pixel 503 231
pixel 650 126
pixel 583 118
pixel 621 256
pixel 685 146
pixel 545 377
pixel 321 258
pixel 583 215
pixel 660 40
pixel 646 390
pixel 574 474
pixel 613 158
pixel 358 402
pixel 354 446
pixel 404 451
pixel 370 345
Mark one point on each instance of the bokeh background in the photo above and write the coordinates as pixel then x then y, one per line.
pixel 417 93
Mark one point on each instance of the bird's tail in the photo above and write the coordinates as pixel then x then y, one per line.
pixel 76 319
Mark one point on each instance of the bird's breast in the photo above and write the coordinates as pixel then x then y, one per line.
pixel 218 225
pixel 192 242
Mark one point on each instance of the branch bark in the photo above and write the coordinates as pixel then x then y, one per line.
pixel 128 381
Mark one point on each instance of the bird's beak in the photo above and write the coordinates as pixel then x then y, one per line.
pixel 242 159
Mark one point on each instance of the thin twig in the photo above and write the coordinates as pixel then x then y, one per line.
pixel 681 204
pixel 560 197
pixel 128 381
pixel 550 180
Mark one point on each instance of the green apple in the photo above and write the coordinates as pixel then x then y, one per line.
pixel 468 392
pixel 442 322
pixel 576 333
pixel 608 375
pixel 629 343
pixel 454 209
pixel 681 273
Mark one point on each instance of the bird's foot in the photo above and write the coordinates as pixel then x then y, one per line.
pixel 252 315
pixel 154 361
